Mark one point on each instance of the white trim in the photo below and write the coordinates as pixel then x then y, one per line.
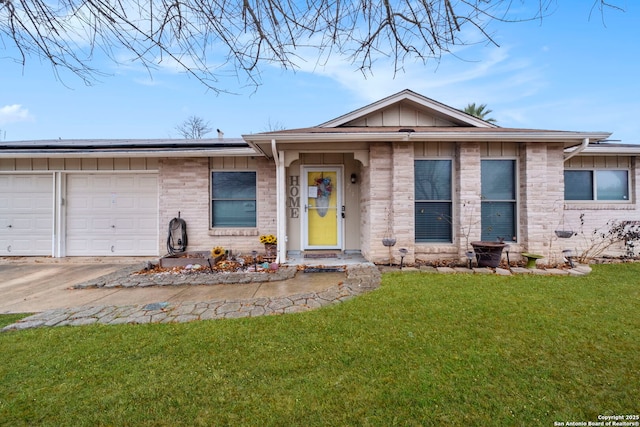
pixel 281 226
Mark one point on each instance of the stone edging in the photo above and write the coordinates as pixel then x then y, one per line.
pixel 125 278
pixel 359 279
pixel 578 270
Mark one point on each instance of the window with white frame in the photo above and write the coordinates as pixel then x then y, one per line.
pixel 233 199
pixel 596 184
pixel 498 206
pixel 433 200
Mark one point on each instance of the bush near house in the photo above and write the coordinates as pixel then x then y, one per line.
pixel 424 349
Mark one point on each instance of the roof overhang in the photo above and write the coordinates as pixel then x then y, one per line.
pixel 568 139
pixel 605 149
pixel 126 148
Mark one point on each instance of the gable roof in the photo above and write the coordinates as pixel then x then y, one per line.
pixel 426 110
pixel 408 116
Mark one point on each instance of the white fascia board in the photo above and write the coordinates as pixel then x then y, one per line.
pixel 25 154
pixel 591 150
pixel 329 136
pixel 533 136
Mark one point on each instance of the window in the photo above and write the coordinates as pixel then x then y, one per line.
pixel 596 185
pixel 233 199
pixel 433 200
pixel 498 211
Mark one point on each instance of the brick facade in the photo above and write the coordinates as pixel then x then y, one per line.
pixel 387 203
pixel 184 187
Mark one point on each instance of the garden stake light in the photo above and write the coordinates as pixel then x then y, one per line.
pixel 403 253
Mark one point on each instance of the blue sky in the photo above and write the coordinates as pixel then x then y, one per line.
pixel 570 71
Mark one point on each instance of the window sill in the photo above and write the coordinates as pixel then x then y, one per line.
pixel 249 231
pixel 599 206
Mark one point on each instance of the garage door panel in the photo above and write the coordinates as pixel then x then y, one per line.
pixel 26 215
pixel 96 244
pixel 112 215
pixel 101 224
pixel 127 225
pixel 148 203
pixel 127 202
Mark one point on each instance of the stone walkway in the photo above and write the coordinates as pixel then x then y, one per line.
pixel 359 279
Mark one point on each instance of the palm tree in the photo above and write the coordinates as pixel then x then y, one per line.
pixel 479 111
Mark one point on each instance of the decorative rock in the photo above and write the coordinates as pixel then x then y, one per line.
pixel 482 270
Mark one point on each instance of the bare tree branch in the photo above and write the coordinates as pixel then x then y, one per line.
pixel 194 127
pixel 208 38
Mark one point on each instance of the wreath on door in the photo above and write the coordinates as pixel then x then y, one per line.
pixel 324 194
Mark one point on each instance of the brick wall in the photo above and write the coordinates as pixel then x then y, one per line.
pixel 183 190
pixel 184 187
pixel 387 202
pixel 588 219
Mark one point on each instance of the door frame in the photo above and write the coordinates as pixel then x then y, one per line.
pixel 338 188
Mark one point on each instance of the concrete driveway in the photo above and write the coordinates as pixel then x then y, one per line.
pixel 33 285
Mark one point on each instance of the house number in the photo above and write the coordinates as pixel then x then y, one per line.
pixel 293 197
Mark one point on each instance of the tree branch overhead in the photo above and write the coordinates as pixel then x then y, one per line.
pixel 206 38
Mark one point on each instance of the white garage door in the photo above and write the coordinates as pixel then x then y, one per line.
pixel 112 215
pixel 26 215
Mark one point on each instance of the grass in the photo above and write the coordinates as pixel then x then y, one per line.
pixel 7 319
pixel 424 349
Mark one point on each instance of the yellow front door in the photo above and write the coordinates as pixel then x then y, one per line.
pixel 323 211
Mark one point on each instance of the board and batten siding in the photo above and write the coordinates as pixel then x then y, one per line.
pixel 79 164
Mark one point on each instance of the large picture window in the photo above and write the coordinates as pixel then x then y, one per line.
pixel 596 185
pixel 498 187
pixel 233 199
pixel 432 200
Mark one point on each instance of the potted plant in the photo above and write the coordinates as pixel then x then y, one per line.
pixel 270 243
pixel 488 254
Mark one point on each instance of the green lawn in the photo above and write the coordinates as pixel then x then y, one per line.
pixel 424 349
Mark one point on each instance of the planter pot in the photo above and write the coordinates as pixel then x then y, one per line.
pixel 388 241
pixel 488 254
pixel 271 250
pixel 564 234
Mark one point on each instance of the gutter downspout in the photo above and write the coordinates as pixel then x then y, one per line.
pixel 280 214
pixel 578 150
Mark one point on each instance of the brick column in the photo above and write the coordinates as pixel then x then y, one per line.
pixel 541 198
pixel 380 202
pixel 403 200
pixel 467 202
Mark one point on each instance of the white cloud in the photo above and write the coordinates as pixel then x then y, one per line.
pixel 488 75
pixel 13 114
